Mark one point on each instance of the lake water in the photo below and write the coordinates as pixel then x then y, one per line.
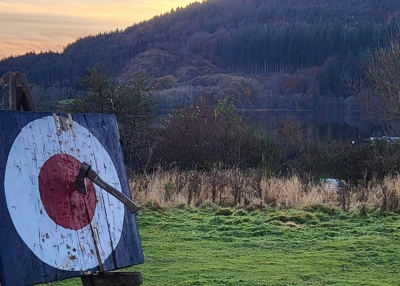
pixel 346 125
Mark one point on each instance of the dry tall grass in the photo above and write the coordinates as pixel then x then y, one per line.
pixel 170 188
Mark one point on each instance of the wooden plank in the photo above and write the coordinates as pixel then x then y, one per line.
pixel 28 102
pixel 39 244
pixel 17 92
pixel 9 91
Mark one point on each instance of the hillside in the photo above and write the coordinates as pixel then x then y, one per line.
pixel 265 53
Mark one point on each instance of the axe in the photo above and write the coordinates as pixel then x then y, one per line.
pixel 86 171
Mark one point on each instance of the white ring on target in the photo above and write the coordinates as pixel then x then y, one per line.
pixel 62 248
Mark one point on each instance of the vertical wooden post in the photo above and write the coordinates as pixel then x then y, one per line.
pixel 9 91
pixel 27 100
pixel 17 92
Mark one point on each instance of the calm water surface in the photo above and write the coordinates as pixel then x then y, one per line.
pixel 340 124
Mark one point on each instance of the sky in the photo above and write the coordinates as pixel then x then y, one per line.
pixel 43 25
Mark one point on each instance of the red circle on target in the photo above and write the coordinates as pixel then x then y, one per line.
pixel 65 205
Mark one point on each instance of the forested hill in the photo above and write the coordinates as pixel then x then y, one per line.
pixel 263 52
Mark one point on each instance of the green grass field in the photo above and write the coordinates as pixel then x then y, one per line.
pixel 235 247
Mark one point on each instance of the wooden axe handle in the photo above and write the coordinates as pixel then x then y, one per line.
pixel 130 205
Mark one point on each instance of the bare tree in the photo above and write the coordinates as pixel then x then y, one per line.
pixel 379 90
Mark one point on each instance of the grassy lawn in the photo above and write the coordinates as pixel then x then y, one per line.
pixel 235 247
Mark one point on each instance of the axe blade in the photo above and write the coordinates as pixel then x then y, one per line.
pixel 79 182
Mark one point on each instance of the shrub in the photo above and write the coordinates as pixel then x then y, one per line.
pixel 224 212
pixel 206 134
pixel 326 209
pixel 354 163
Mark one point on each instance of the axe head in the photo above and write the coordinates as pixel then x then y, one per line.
pixel 79 182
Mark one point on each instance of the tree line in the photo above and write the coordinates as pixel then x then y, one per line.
pixel 335 47
pixel 241 36
pixel 210 134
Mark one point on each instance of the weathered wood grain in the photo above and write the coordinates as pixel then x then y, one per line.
pixel 83 137
pixel 17 92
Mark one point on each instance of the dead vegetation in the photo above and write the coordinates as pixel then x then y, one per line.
pixel 234 188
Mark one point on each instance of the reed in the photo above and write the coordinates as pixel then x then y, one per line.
pixel 251 189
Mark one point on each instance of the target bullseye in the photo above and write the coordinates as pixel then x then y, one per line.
pixel 62 202
pixel 62 227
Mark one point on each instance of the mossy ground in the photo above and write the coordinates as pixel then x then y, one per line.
pixel 235 247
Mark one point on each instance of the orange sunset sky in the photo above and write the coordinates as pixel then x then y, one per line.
pixel 43 25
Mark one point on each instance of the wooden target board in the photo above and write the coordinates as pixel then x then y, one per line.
pixel 49 231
